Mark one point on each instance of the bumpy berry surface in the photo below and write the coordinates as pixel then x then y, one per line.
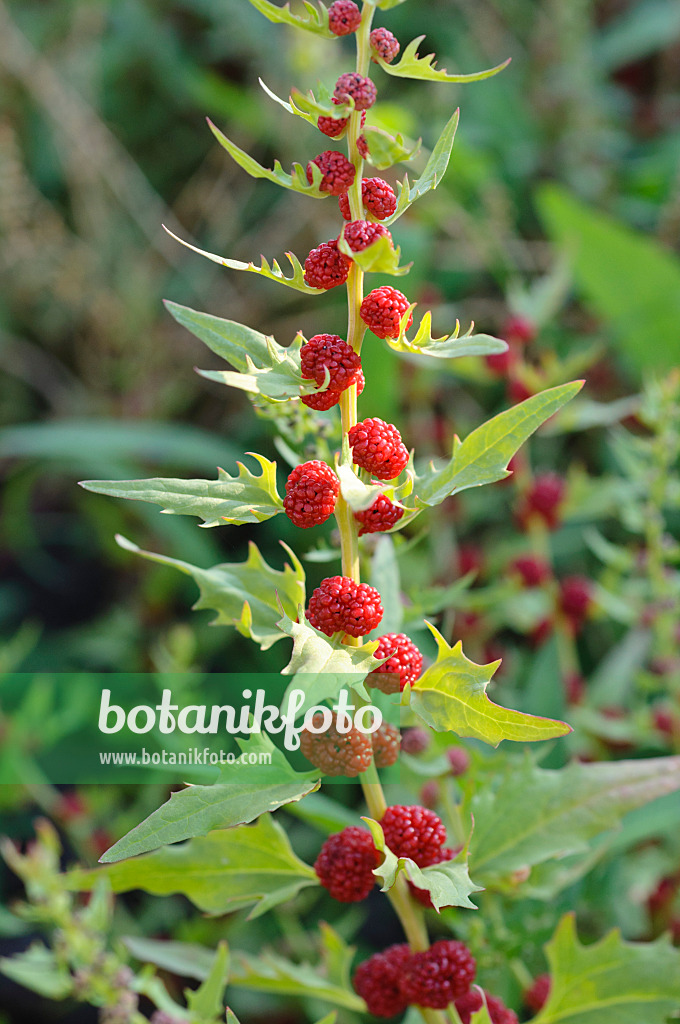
pixel 345 864
pixel 533 571
pixel 386 744
pixel 341 604
pixel 362 233
pixel 438 975
pixel 333 127
pixel 404 663
pixel 338 172
pixel 378 197
pixel 326 267
pixel 337 753
pixel 344 17
pixel 422 895
pixel 381 516
pixel 382 310
pixel 383 44
pixel 377 981
pixel 536 996
pixel 377 447
pixel 311 492
pixel 353 86
pixel 324 400
pixel 415 740
pixel 469 1003
pixel 331 352
pixel 414 832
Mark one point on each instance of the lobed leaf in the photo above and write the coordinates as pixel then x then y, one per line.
pixel 297 181
pixel 246 498
pixel 246 595
pixel 385 150
pixel 451 696
pixel 271 271
pixel 380 257
pixel 412 65
pixel 220 872
pixel 206 1003
pixel 435 169
pixel 610 981
pixel 449 346
pixel 278 380
pixel 244 795
pixel 315 20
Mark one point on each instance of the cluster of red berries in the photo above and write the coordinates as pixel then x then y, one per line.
pixel 341 605
pixel 344 17
pixel 348 752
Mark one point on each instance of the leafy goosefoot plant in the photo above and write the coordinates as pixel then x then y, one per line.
pixel 229 863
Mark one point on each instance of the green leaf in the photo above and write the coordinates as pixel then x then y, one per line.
pixel 247 595
pixel 206 1002
pixel 448 883
pixel 385 5
pixel 297 181
pixel 271 271
pixel 627 278
pixel 278 380
pixel 220 872
pixel 337 956
pixel 449 346
pixel 271 973
pixel 37 969
pixel 610 981
pixel 435 169
pixel 556 812
pixel 197 810
pixel 385 150
pixel 380 257
pixel 321 665
pixel 246 498
pixel 412 65
pixel 451 696
pixel 187 959
pixel 483 457
pixel 314 21
pixel 226 338
pixel 306 105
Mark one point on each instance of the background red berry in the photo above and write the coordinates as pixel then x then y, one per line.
pixel 386 743
pixel 469 1003
pixel 536 996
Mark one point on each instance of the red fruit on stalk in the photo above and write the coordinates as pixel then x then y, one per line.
pixel 324 400
pixel 472 1001
pixel 414 832
pixel 377 981
pixel 386 743
pixel 336 753
pixel 381 516
pixel 362 233
pixel 326 267
pixel 438 975
pixel 382 311
pixel 353 86
pixel 404 663
pixel 377 196
pixel 311 492
pixel 338 173
pixel 344 17
pixel 377 447
pixel 330 352
pixel 345 864
pixel 383 45
pixel 341 605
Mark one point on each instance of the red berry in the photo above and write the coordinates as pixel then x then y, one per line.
pixel 345 864
pixel 576 595
pixel 353 86
pixel 532 570
pixel 362 146
pixel 422 895
pixel 470 558
pixel 333 127
pixel 330 352
pixel 537 996
pixel 414 832
pixel 459 760
pixel 383 44
pixel 326 267
pixel 544 499
pixel 430 793
pixel 415 740
pixel 377 981
pixel 340 604
pixel 377 447
pixel 381 516
pixel 378 197
pixel 499 363
pixel 338 172
pixel 334 752
pixel 574 688
pixel 519 330
pixel 382 310
pixel 404 663
pixel 324 400
pixel 344 17
pixel 438 975
pixel 311 492
pixel 362 233
pixel 472 1001
pixel 518 390
pixel 386 743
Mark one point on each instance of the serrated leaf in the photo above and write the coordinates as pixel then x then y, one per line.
pixel 316 19
pixel 322 666
pixel 247 595
pixel 271 973
pixel 380 257
pixel 385 150
pixel 278 380
pixel 246 793
pixel 220 872
pixel 448 883
pixel 412 65
pixel 483 457
pixel 206 1002
pixel 38 970
pixel 557 812
pixel 271 271
pixel 435 170
pixel 448 346
pixel 246 498
pixel 297 181
pixel 610 981
pixel 450 696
